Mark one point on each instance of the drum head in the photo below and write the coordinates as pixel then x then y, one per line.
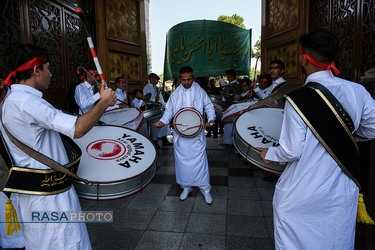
pixel 259 128
pixel 120 116
pixel 188 122
pixel 231 91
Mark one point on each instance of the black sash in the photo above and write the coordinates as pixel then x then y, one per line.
pixel 330 123
pixel 42 181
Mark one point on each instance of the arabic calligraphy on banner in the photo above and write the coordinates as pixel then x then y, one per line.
pixel 209 47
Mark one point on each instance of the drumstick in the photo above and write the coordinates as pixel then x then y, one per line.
pixel 175 124
pixel 201 125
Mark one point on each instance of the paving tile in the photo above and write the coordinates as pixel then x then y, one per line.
pixel 159 240
pixel 133 219
pixel 157 189
pixel 248 243
pixel 193 241
pixel 118 239
pixel 245 207
pixel 243 193
pixel 169 221
pixel 146 202
pixel 246 226
pixel 241 181
pixel 175 204
pixel 218 207
pixel 207 223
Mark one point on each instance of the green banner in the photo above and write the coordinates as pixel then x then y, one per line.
pixel 209 47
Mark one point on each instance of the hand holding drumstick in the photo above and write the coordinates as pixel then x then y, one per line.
pixel 262 154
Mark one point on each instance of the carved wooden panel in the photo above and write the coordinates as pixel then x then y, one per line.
pixel 124 63
pixel 344 26
pixel 282 16
pixel 368 36
pixel 46 30
pixel 10 31
pixel 77 50
pixel 122 20
pixel 288 53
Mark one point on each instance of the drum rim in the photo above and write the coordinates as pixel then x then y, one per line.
pixel 151 116
pixel 153 165
pixel 194 111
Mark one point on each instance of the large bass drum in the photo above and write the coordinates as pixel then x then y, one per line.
pixel 261 128
pixel 119 161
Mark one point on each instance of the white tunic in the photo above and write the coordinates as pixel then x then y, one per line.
pixel 315 202
pixel 36 123
pixel 190 153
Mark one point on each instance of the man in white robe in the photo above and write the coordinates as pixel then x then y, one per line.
pixel 37 124
pixel 315 202
pixel 190 152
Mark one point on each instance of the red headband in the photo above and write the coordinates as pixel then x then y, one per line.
pixel 38 60
pixel 327 66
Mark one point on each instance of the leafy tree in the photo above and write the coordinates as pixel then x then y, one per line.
pixel 234 19
pixel 255 51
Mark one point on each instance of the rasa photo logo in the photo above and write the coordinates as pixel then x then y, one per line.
pixel 72 217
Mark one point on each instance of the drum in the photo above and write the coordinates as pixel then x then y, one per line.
pixel 118 160
pixel 216 101
pixel 235 110
pixel 153 113
pixel 188 122
pixel 258 128
pixel 126 117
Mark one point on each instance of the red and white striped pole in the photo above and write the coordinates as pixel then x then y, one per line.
pixel 80 13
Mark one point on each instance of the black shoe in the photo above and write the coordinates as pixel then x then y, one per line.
pixel 165 142
pixel 228 147
pixel 208 135
pixel 271 177
pixel 156 144
pixel 215 136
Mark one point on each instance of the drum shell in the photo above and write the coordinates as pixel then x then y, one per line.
pixel 112 180
pixel 153 113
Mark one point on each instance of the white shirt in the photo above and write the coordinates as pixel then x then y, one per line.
pixel 153 89
pixel 85 97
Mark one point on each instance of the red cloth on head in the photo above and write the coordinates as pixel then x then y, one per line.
pixel 26 66
pixel 327 66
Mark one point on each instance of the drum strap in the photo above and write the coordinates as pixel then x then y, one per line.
pixel 330 123
pixel 42 181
